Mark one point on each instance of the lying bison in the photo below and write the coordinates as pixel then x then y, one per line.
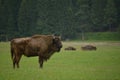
pixel 43 46
pixel 88 47
pixel 70 48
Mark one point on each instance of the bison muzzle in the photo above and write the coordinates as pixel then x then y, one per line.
pixel 43 46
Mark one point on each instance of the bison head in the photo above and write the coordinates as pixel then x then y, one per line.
pixel 57 43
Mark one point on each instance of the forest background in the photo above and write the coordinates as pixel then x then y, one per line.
pixel 70 19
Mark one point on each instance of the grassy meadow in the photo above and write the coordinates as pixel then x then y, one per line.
pixel 102 64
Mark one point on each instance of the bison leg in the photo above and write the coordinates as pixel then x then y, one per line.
pixel 41 62
pixel 16 60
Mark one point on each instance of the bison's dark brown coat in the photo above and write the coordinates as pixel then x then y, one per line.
pixel 39 45
pixel 70 48
pixel 88 47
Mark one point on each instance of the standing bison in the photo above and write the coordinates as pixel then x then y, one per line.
pixel 43 46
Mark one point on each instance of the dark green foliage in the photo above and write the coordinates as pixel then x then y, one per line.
pixel 67 18
pixel 8 18
pixel 110 16
pixel 27 17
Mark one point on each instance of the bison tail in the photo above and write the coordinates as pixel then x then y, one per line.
pixel 12 51
pixel 12 54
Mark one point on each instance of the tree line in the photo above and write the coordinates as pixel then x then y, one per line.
pixel 67 18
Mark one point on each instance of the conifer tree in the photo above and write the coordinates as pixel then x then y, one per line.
pixel 110 15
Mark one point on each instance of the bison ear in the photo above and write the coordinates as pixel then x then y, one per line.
pixel 59 37
pixel 54 39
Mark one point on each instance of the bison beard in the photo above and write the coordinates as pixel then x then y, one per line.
pixel 39 45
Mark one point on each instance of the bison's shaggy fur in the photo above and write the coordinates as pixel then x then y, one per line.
pixel 88 47
pixel 70 48
pixel 38 45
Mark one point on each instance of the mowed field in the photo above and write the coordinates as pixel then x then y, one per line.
pixel 102 64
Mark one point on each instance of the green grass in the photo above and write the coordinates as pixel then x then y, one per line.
pixel 100 36
pixel 103 64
